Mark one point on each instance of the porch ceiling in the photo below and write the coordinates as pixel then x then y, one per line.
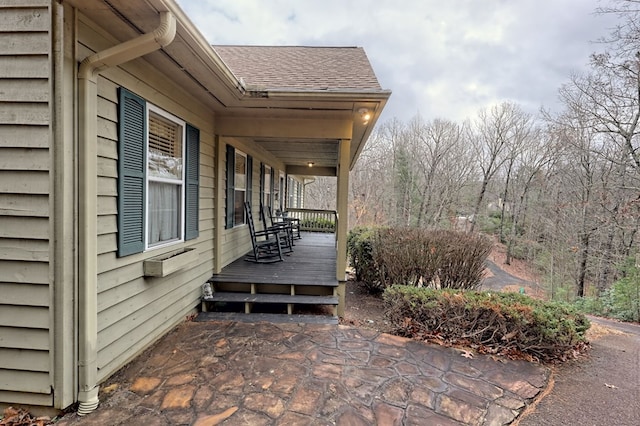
pixel 297 154
pixel 296 125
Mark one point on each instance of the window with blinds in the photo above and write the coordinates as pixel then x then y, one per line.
pixel 165 186
pixel 165 147
pixel 241 171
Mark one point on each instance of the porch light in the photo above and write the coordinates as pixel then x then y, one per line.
pixel 365 115
pixel 310 163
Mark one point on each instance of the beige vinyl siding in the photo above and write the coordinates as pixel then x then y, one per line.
pixel 25 214
pixel 134 310
pixel 236 242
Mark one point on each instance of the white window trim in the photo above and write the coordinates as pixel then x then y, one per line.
pixel 183 126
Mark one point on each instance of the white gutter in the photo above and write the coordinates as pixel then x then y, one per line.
pixel 88 196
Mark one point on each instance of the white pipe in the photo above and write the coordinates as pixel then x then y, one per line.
pixel 88 196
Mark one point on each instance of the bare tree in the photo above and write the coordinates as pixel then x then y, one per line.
pixel 521 135
pixel 494 131
pixel 440 141
pixel 371 198
pixel 537 152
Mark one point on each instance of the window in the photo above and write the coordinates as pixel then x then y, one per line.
pixel 239 185
pixel 164 178
pixel 266 185
pixel 240 188
pixel 291 189
pixel 158 177
pixel 282 191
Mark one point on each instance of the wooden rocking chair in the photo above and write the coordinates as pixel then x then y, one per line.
pixel 285 229
pixel 266 243
pixel 293 221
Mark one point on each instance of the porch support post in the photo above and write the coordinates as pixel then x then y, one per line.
pixel 219 202
pixel 342 204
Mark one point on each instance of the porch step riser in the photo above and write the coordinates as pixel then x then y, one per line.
pixel 251 297
pixel 272 318
pixel 272 298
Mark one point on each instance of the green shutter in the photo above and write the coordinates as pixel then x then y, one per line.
pixel 131 173
pixel 231 177
pixel 192 173
pixel 249 194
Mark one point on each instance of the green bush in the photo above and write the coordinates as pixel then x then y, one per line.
pixel 593 305
pixel 489 224
pixel 621 301
pixel 501 323
pixel 625 299
pixel 319 224
pixel 407 256
pixel 360 242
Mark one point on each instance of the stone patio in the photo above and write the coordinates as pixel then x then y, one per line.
pixel 209 373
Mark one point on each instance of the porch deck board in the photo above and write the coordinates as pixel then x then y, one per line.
pixel 313 262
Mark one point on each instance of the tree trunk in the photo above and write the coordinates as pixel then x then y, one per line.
pixel 582 272
pixel 476 210
pixel 504 200
pixel 512 237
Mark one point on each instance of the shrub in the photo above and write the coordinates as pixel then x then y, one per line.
pixel 406 256
pixel 318 225
pixel 501 323
pixel 360 242
pixel 624 297
pixel 489 224
pixel 621 301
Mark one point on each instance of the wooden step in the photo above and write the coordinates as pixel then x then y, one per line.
pixel 223 296
pixel 243 278
pixel 272 318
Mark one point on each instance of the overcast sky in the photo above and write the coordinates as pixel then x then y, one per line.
pixel 440 58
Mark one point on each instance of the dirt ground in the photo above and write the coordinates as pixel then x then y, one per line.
pixel 517 268
pixel 363 309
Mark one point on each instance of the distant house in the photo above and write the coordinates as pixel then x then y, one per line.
pixel 124 138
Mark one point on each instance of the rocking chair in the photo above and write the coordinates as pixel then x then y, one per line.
pixel 285 229
pixel 265 243
pixel 293 221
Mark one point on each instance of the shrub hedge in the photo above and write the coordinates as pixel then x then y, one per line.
pixel 383 257
pixel 499 323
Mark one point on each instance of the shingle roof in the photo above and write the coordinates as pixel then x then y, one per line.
pixel 301 67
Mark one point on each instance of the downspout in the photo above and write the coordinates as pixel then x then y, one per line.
pixel 88 73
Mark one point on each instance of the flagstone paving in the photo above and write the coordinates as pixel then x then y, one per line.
pixel 210 373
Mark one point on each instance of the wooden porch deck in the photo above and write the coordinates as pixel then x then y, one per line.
pixel 306 279
pixel 313 262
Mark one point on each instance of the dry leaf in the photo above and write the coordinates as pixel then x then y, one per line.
pixel 467 354
pixel 610 386
pixel 510 336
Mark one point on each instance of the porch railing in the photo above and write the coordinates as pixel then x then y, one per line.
pixel 315 220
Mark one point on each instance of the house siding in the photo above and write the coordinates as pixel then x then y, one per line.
pixel 25 214
pixel 134 310
pixel 236 241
